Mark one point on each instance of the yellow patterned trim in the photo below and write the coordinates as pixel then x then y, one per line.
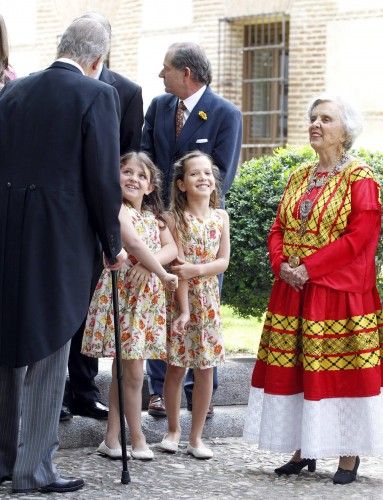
pixel 285 344
pixel 328 219
pixel 350 362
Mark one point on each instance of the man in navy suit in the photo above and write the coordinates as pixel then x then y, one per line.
pixel 210 124
pixel 82 395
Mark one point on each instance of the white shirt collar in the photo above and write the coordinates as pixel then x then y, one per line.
pixel 191 101
pixel 73 63
pixel 98 74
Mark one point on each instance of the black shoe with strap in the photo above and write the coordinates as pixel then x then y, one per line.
pixel 343 476
pixel 296 467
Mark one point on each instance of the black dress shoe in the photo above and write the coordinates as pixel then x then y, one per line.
pixel 63 485
pixel 65 414
pixel 93 409
pixel 343 476
pixel 296 467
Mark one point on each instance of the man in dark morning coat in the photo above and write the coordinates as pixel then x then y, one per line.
pixel 59 191
pixel 212 125
pixel 82 395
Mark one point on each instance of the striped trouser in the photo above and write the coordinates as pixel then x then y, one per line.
pixel 30 404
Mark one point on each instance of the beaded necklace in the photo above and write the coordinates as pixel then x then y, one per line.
pixel 305 207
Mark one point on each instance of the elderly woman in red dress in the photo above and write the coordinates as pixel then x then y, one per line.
pixel 316 385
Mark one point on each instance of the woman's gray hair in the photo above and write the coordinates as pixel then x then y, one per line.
pixel 84 41
pixel 349 114
pixel 192 56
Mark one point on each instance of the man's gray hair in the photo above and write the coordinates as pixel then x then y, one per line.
pixel 192 56
pixel 349 115
pixel 84 41
pixel 96 16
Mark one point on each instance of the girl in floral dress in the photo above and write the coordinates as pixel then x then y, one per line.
pixel 194 336
pixel 141 298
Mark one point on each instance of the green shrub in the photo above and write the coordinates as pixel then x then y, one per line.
pixel 252 203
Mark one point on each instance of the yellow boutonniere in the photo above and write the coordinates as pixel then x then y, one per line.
pixel 202 115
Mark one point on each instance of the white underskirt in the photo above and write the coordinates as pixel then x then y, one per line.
pixel 320 429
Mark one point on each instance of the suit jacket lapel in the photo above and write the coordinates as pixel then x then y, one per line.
pixel 195 121
pixel 169 122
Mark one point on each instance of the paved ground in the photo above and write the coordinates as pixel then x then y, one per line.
pixel 236 471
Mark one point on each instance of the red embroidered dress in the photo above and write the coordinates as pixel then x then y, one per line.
pixel 316 385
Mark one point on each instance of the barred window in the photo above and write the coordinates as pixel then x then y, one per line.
pixel 265 87
pixel 253 72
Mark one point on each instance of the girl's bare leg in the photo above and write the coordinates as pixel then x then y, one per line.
pixel 113 427
pixel 202 390
pixel 172 395
pixel 133 378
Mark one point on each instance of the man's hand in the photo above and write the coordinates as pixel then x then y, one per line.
pixel 120 261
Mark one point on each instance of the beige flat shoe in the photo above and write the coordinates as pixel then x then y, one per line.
pixel 202 452
pixel 145 454
pixel 169 446
pixel 113 453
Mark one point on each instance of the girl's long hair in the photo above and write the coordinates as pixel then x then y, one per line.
pixel 151 201
pixel 178 199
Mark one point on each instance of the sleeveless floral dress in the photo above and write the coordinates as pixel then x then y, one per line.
pixel 201 345
pixel 142 309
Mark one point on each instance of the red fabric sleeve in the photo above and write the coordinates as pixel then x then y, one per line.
pixel 275 245
pixel 363 227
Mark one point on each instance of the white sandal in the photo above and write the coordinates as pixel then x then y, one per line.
pixel 145 454
pixel 201 452
pixel 113 453
pixel 169 446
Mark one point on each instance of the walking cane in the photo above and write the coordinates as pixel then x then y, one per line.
pixel 125 477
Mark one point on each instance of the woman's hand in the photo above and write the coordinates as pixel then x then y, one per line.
pixel 184 270
pixel 295 277
pixel 179 325
pixel 138 275
pixel 287 274
pixel 300 275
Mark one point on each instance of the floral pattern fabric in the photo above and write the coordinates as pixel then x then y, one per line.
pixel 201 345
pixel 142 309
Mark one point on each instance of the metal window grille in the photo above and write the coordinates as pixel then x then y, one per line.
pixel 264 78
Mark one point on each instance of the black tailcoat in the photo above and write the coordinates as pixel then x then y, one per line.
pixel 59 186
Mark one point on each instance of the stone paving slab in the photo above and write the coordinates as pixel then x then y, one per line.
pixel 233 376
pixel 236 471
pixel 82 431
